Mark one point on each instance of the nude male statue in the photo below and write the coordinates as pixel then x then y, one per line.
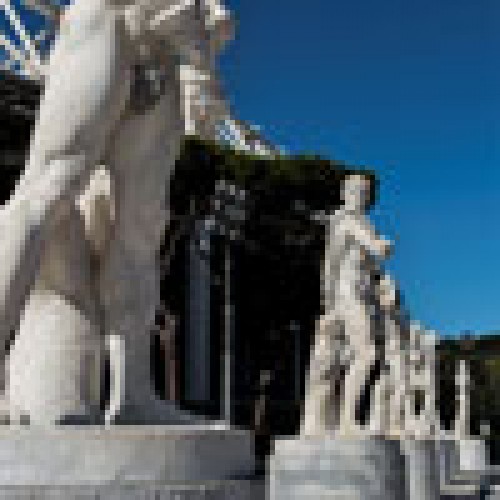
pixel 387 412
pixel 63 285
pixel 346 328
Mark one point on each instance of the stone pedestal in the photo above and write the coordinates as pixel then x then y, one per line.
pixel 464 469
pixel 473 455
pixel 422 469
pixel 347 469
pixel 448 459
pixel 122 462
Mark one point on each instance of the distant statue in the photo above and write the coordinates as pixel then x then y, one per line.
pixel 387 411
pixel 462 422
pixel 345 350
pixel 81 232
pixel 422 418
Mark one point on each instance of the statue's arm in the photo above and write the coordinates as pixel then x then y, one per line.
pixel 362 230
pixel 85 89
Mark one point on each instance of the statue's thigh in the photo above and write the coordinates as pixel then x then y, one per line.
pixel 129 289
pixel 86 87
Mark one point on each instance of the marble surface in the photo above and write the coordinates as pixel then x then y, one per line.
pixel 137 456
pixel 367 469
pixel 422 469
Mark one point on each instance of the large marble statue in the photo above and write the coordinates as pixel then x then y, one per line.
pixel 80 234
pixel 345 349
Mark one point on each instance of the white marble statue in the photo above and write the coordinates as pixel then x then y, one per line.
pixel 78 258
pixel 387 414
pixel 462 421
pixel 472 449
pixel 405 396
pixel 422 419
pixel 344 349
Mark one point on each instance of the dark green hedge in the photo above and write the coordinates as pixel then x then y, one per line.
pixel 309 178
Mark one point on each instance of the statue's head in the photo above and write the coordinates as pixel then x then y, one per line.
pixel 357 191
pixel 387 292
pixel 196 29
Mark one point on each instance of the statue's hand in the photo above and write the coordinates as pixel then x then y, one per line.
pixel 358 226
pixel 384 248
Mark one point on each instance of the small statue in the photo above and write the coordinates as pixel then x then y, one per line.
pixel 387 415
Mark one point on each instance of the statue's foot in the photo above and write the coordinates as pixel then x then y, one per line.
pixel 71 418
pixel 349 429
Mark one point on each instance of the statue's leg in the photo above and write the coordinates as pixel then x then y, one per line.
pixel 320 408
pixel 130 306
pixel 54 362
pixel 141 165
pixel 379 409
pixel 397 372
pixel 85 91
pixel 359 331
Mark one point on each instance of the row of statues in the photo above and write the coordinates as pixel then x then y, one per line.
pixel 79 274
pixel 367 366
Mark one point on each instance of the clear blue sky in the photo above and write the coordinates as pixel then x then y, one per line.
pixel 412 89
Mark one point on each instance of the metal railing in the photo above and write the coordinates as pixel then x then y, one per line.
pixel 25 51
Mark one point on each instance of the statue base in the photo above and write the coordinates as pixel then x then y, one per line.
pixel 473 455
pixel 128 462
pixel 422 469
pixel 336 468
pixel 464 468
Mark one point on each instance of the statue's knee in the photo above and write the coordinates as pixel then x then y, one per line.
pixel 97 209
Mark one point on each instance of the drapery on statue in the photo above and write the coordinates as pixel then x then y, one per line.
pixel 344 351
pixel 81 232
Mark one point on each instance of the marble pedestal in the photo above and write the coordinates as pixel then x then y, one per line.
pixel 473 455
pixel 127 462
pixel 422 469
pixel 330 468
pixel 464 469
pixel 448 459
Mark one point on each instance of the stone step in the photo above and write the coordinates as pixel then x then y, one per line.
pixel 324 468
pixel 217 490
pixel 184 462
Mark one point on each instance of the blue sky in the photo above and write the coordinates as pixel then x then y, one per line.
pixel 411 89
